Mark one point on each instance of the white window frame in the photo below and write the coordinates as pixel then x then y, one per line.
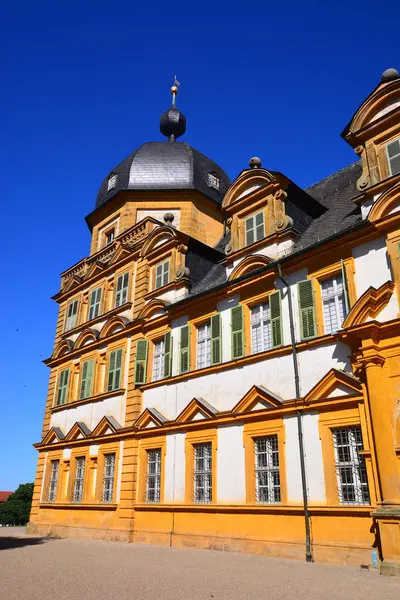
pixel 202 473
pixel 260 324
pixel 203 346
pixel 213 180
pixel 350 466
pixel 397 155
pixel 108 478
pixel 53 481
pixel 266 457
pixel 112 181
pixel 158 359
pixel 161 278
pixel 71 320
pixel 255 229
pixel 333 304
pixel 79 480
pixel 153 476
pixel 107 234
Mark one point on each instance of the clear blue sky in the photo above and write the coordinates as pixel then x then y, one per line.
pixel 84 83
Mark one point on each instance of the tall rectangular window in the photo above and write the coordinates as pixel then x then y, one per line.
pixel 79 479
pixel 121 295
pixel 203 346
pixel 108 479
pixel 159 360
pixel 261 339
pixel 52 492
pixel 62 392
pixel 350 466
pixel 162 274
pixel 202 488
pixel 87 379
pixel 72 312
pixel 153 483
pixel 393 154
pixel 114 370
pixel 333 303
pixel 94 303
pixel 110 235
pixel 254 228
pixel 268 486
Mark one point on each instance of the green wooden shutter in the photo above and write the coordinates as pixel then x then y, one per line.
pixel 184 349
pixel 249 226
pixel 114 370
pixel 71 315
pixel 111 369
pixel 141 361
pixel 63 387
pixel 306 309
pixel 237 347
pixel 216 349
pixel 94 304
pixel 121 295
pixel 167 354
pixel 275 308
pixel 87 379
pixel 259 225
pixel 118 367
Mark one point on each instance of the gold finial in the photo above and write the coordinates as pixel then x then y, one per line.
pixel 175 90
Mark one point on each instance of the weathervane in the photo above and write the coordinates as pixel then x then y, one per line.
pixel 174 90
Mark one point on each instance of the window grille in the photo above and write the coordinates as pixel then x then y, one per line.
pixel 79 479
pixel 213 180
pixel 268 486
pixel 393 154
pixel 112 181
pixel 203 346
pixel 202 473
pixel 333 303
pixel 108 481
pixel 260 328
pixel 153 475
pixel 350 466
pixel 158 360
pixel 254 227
pixel 162 274
pixel 51 496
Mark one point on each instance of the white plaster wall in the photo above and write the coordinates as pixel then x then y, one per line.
pixel 231 483
pixel 316 362
pixel 90 413
pixel 371 265
pixel 366 207
pixel 174 490
pixel 159 215
pixel 173 295
pixel 390 311
pixel 313 458
pixel 224 307
pixel 293 472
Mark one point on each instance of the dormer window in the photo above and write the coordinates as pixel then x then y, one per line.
pixel 110 235
pixel 112 181
pixel 213 180
pixel 393 154
pixel 254 228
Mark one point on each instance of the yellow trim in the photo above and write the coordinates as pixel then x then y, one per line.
pixel 369 305
pixel 200 437
pixel 99 465
pixel 146 444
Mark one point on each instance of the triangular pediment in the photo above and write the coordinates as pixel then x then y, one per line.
pixel 335 384
pixel 53 436
pixel 96 267
pixel 197 410
pixel 149 418
pixel 257 398
pixel 72 282
pixel 106 426
pixel 78 431
pixel 121 252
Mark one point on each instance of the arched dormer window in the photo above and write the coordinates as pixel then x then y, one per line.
pixel 112 181
pixel 213 180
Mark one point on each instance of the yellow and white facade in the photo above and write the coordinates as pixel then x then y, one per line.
pixel 226 365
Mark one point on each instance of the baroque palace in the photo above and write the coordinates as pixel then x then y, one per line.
pixel 226 365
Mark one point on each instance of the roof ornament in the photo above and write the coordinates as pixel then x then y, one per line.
pixel 389 75
pixel 173 122
pixel 175 90
pixel 255 162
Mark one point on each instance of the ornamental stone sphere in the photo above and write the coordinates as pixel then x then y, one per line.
pixel 255 162
pixel 389 75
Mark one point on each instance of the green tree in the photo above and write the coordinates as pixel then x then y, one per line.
pixel 15 510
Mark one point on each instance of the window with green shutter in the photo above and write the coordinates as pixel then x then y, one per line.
pixel 275 306
pixel 94 304
pixel 237 344
pixel 142 347
pixel 184 363
pixel 161 274
pixel 72 312
pixel 62 392
pixel 167 354
pixel 114 370
pixel 254 228
pixel 87 379
pixel 121 293
pixel 308 325
pixel 216 346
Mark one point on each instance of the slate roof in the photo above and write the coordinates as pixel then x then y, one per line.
pixel 165 166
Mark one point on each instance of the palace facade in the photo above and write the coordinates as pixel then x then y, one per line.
pixel 226 364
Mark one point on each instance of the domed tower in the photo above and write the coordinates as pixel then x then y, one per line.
pixel 158 178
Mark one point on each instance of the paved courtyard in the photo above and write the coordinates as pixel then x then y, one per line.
pixel 37 568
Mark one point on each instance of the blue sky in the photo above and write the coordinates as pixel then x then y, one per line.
pixel 84 84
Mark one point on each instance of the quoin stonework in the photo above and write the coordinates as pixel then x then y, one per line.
pixel 226 365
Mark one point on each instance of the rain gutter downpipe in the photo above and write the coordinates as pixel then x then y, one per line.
pixel 309 555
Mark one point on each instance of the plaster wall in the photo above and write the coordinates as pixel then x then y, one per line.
pixel 231 485
pixel 174 490
pixel 90 413
pixel 371 265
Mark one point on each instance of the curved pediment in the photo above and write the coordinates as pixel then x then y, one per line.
pixel 154 308
pixel 159 236
pixel 62 348
pixel 387 203
pixel 114 325
pixel 88 336
pixel 248 264
pixel 369 305
pixel 248 182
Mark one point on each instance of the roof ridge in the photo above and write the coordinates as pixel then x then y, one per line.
pixel 357 162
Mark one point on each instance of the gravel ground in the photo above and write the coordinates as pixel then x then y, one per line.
pixel 35 568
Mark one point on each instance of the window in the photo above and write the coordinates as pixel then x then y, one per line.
pixel 153 483
pixel 79 479
pixel 254 227
pixel 237 342
pixel 112 181
pixel 114 370
pixel 350 466
pixel 393 154
pixel 94 304
pixel 308 325
pixel 213 180
pixel 62 392
pixel 110 235
pixel 158 360
pixel 260 328
pixel 184 359
pixel 86 379
pixel 204 346
pixel 72 312
pixel 121 295
pixel 142 349
pixel 202 488
pixel 162 274
pixel 268 487
pixel 51 496
pixel 333 303
pixel 108 480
